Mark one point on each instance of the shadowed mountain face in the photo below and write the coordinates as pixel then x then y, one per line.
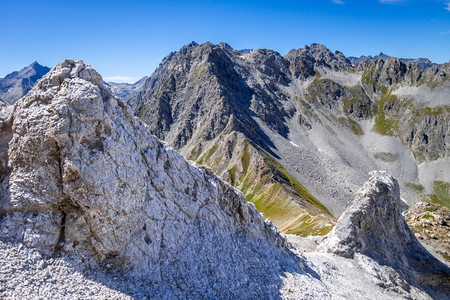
pixel 297 133
pixel 91 203
pixel 84 177
pixel 15 85
pixel 213 90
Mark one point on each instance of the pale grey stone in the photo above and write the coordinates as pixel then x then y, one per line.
pixel 94 206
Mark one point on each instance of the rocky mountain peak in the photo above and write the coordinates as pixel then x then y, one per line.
pixel 373 220
pixel 207 72
pixel 318 50
pixel 33 69
pixel 185 48
pixel 225 46
pixel 270 63
pixel 210 95
pixel 392 70
pixel 325 57
pixel 16 84
pixel 305 59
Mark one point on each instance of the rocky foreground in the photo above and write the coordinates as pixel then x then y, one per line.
pixel 94 206
pixel 431 224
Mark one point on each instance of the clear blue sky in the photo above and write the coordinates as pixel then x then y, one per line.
pixel 130 38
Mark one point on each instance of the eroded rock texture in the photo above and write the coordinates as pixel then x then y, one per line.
pixel 88 192
pixel 374 226
pixel 86 177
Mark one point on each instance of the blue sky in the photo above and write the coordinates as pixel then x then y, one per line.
pixel 128 39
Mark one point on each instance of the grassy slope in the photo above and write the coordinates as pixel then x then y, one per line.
pixel 275 193
pixel 440 194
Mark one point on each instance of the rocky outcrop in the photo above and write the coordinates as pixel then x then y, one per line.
pixel 431 224
pixel 436 74
pixel 394 71
pixel 426 133
pixel 374 226
pixel 86 178
pixel 330 95
pixel 15 85
pixel 390 72
pixel 303 61
pixel 270 63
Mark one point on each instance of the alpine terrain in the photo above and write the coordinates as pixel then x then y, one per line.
pixel 297 134
pixel 16 84
pixel 94 206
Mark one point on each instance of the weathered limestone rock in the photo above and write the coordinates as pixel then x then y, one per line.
pixel 86 192
pixel 84 176
pixel 374 226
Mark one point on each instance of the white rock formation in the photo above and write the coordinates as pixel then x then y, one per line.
pixel 93 206
pixel 87 177
pixel 374 226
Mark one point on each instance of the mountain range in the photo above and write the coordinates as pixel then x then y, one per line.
pixel 297 133
pixel 422 63
pixel 93 205
pixel 16 84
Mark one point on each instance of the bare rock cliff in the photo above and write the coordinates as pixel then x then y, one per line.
pixel 86 177
pixel 86 189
